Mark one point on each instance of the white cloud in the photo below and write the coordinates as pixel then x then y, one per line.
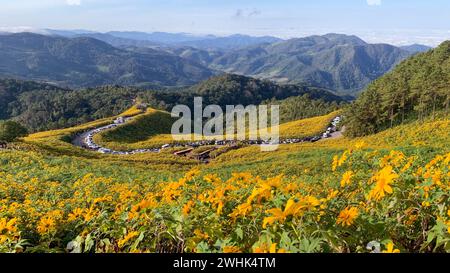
pixel 73 2
pixel 240 13
pixel 374 2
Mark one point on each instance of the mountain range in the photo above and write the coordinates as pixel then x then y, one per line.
pixel 342 63
pixel 163 39
pixel 83 62
pixel 345 64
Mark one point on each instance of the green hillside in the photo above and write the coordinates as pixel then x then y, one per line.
pixel 419 87
pixel 152 123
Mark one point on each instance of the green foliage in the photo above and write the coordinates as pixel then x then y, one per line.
pixel 419 87
pixel 11 130
pixel 45 107
pixel 230 89
pixel 302 107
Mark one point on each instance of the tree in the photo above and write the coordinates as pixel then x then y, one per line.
pixel 416 89
pixel 11 130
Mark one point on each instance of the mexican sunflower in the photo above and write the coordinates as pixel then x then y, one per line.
pixel 347 216
pixel 383 179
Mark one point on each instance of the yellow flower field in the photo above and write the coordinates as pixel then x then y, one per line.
pixel 390 188
pixel 393 198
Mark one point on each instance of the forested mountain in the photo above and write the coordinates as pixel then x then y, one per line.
pixel 10 90
pixel 42 106
pixel 204 57
pixel 83 62
pixel 417 88
pixel 342 63
pixel 229 89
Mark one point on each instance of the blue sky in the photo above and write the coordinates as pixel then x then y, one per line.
pixel 393 21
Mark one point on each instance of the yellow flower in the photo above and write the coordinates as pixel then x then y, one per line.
pixel 291 208
pixel 76 213
pixel 335 163
pixel 360 144
pixel 289 188
pixel 187 207
pixel 265 248
pixel 346 178
pixel 127 237
pixel 275 182
pixel 390 248
pixel 90 213
pixel 280 216
pixel 408 164
pixel 46 225
pixel 102 199
pixel 8 229
pixel 436 177
pixel 212 178
pixel 347 216
pixel 219 208
pixel 200 235
pixel 192 174
pixel 231 249
pixel 241 210
pixel 343 158
pixel 383 179
pixel 277 215
pixel 260 193
pixel 240 177
pixel 332 195
pixel 8 226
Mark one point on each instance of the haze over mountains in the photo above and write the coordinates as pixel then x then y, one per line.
pixel 127 38
pixel 341 63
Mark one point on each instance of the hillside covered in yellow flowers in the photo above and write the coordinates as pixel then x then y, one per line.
pixel 334 195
